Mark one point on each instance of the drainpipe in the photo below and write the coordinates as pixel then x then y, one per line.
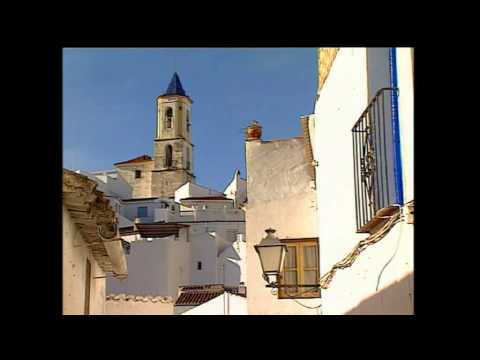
pixel 395 126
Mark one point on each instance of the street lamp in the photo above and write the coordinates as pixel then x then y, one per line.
pixel 272 254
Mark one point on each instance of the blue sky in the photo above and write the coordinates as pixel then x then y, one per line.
pixel 109 102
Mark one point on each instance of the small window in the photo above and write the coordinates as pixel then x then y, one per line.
pixel 300 268
pixel 168 156
pixel 168 118
pixel 138 174
pixel 188 156
pixel 142 211
pixel 199 265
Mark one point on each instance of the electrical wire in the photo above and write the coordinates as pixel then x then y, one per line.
pixel 362 245
pixel 391 258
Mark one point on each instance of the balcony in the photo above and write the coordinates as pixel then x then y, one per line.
pixel 375 167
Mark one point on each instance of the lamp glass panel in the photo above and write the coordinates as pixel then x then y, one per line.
pixel 270 258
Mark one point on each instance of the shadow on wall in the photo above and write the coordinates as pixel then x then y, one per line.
pixel 396 299
pixel 232 274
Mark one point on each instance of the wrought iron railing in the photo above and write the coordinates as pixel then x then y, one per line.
pixel 373 153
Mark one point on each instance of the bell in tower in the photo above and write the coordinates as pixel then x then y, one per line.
pixel 173 146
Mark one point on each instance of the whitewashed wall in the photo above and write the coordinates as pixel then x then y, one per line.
pixel 194 190
pixel 155 267
pixel 204 249
pixel 142 307
pixel 281 196
pixel 237 189
pixel 353 290
pixel 110 184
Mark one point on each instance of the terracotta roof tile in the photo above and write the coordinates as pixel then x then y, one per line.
pixel 197 295
pixel 139 298
pixel 135 160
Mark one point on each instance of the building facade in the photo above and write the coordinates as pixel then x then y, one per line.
pixel 364 116
pixel 92 247
pixel 281 195
pixel 344 190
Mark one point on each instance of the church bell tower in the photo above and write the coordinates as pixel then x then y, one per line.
pixel 173 148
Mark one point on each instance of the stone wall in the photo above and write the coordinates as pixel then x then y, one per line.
pixel 326 56
pixel 164 183
pixel 141 187
pixel 178 153
pixel 180 107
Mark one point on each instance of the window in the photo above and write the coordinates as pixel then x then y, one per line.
pixel 168 156
pixel 377 166
pixel 188 121
pixel 199 265
pixel 142 211
pixel 168 118
pixel 187 152
pixel 138 174
pixel 300 268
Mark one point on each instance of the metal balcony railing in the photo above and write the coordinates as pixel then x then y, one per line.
pixel 373 154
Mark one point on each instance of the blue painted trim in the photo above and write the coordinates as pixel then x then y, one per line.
pixel 396 127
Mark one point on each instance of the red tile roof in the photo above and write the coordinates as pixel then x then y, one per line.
pixel 135 160
pixel 197 295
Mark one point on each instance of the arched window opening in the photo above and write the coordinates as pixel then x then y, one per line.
pixel 188 158
pixel 168 118
pixel 188 121
pixel 168 156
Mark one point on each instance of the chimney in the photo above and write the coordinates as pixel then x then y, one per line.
pixel 254 131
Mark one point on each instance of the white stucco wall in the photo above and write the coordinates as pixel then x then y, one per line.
pixel 406 118
pixel 156 267
pixel 237 189
pixel 281 196
pixel 353 290
pixel 204 250
pixel 155 209
pixel 132 307
pixel 75 255
pixel 110 183
pixel 194 190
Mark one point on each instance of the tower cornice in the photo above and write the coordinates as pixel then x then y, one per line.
pixel 174 97
pixel 176 138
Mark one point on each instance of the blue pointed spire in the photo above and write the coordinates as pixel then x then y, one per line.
pixel 175 86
